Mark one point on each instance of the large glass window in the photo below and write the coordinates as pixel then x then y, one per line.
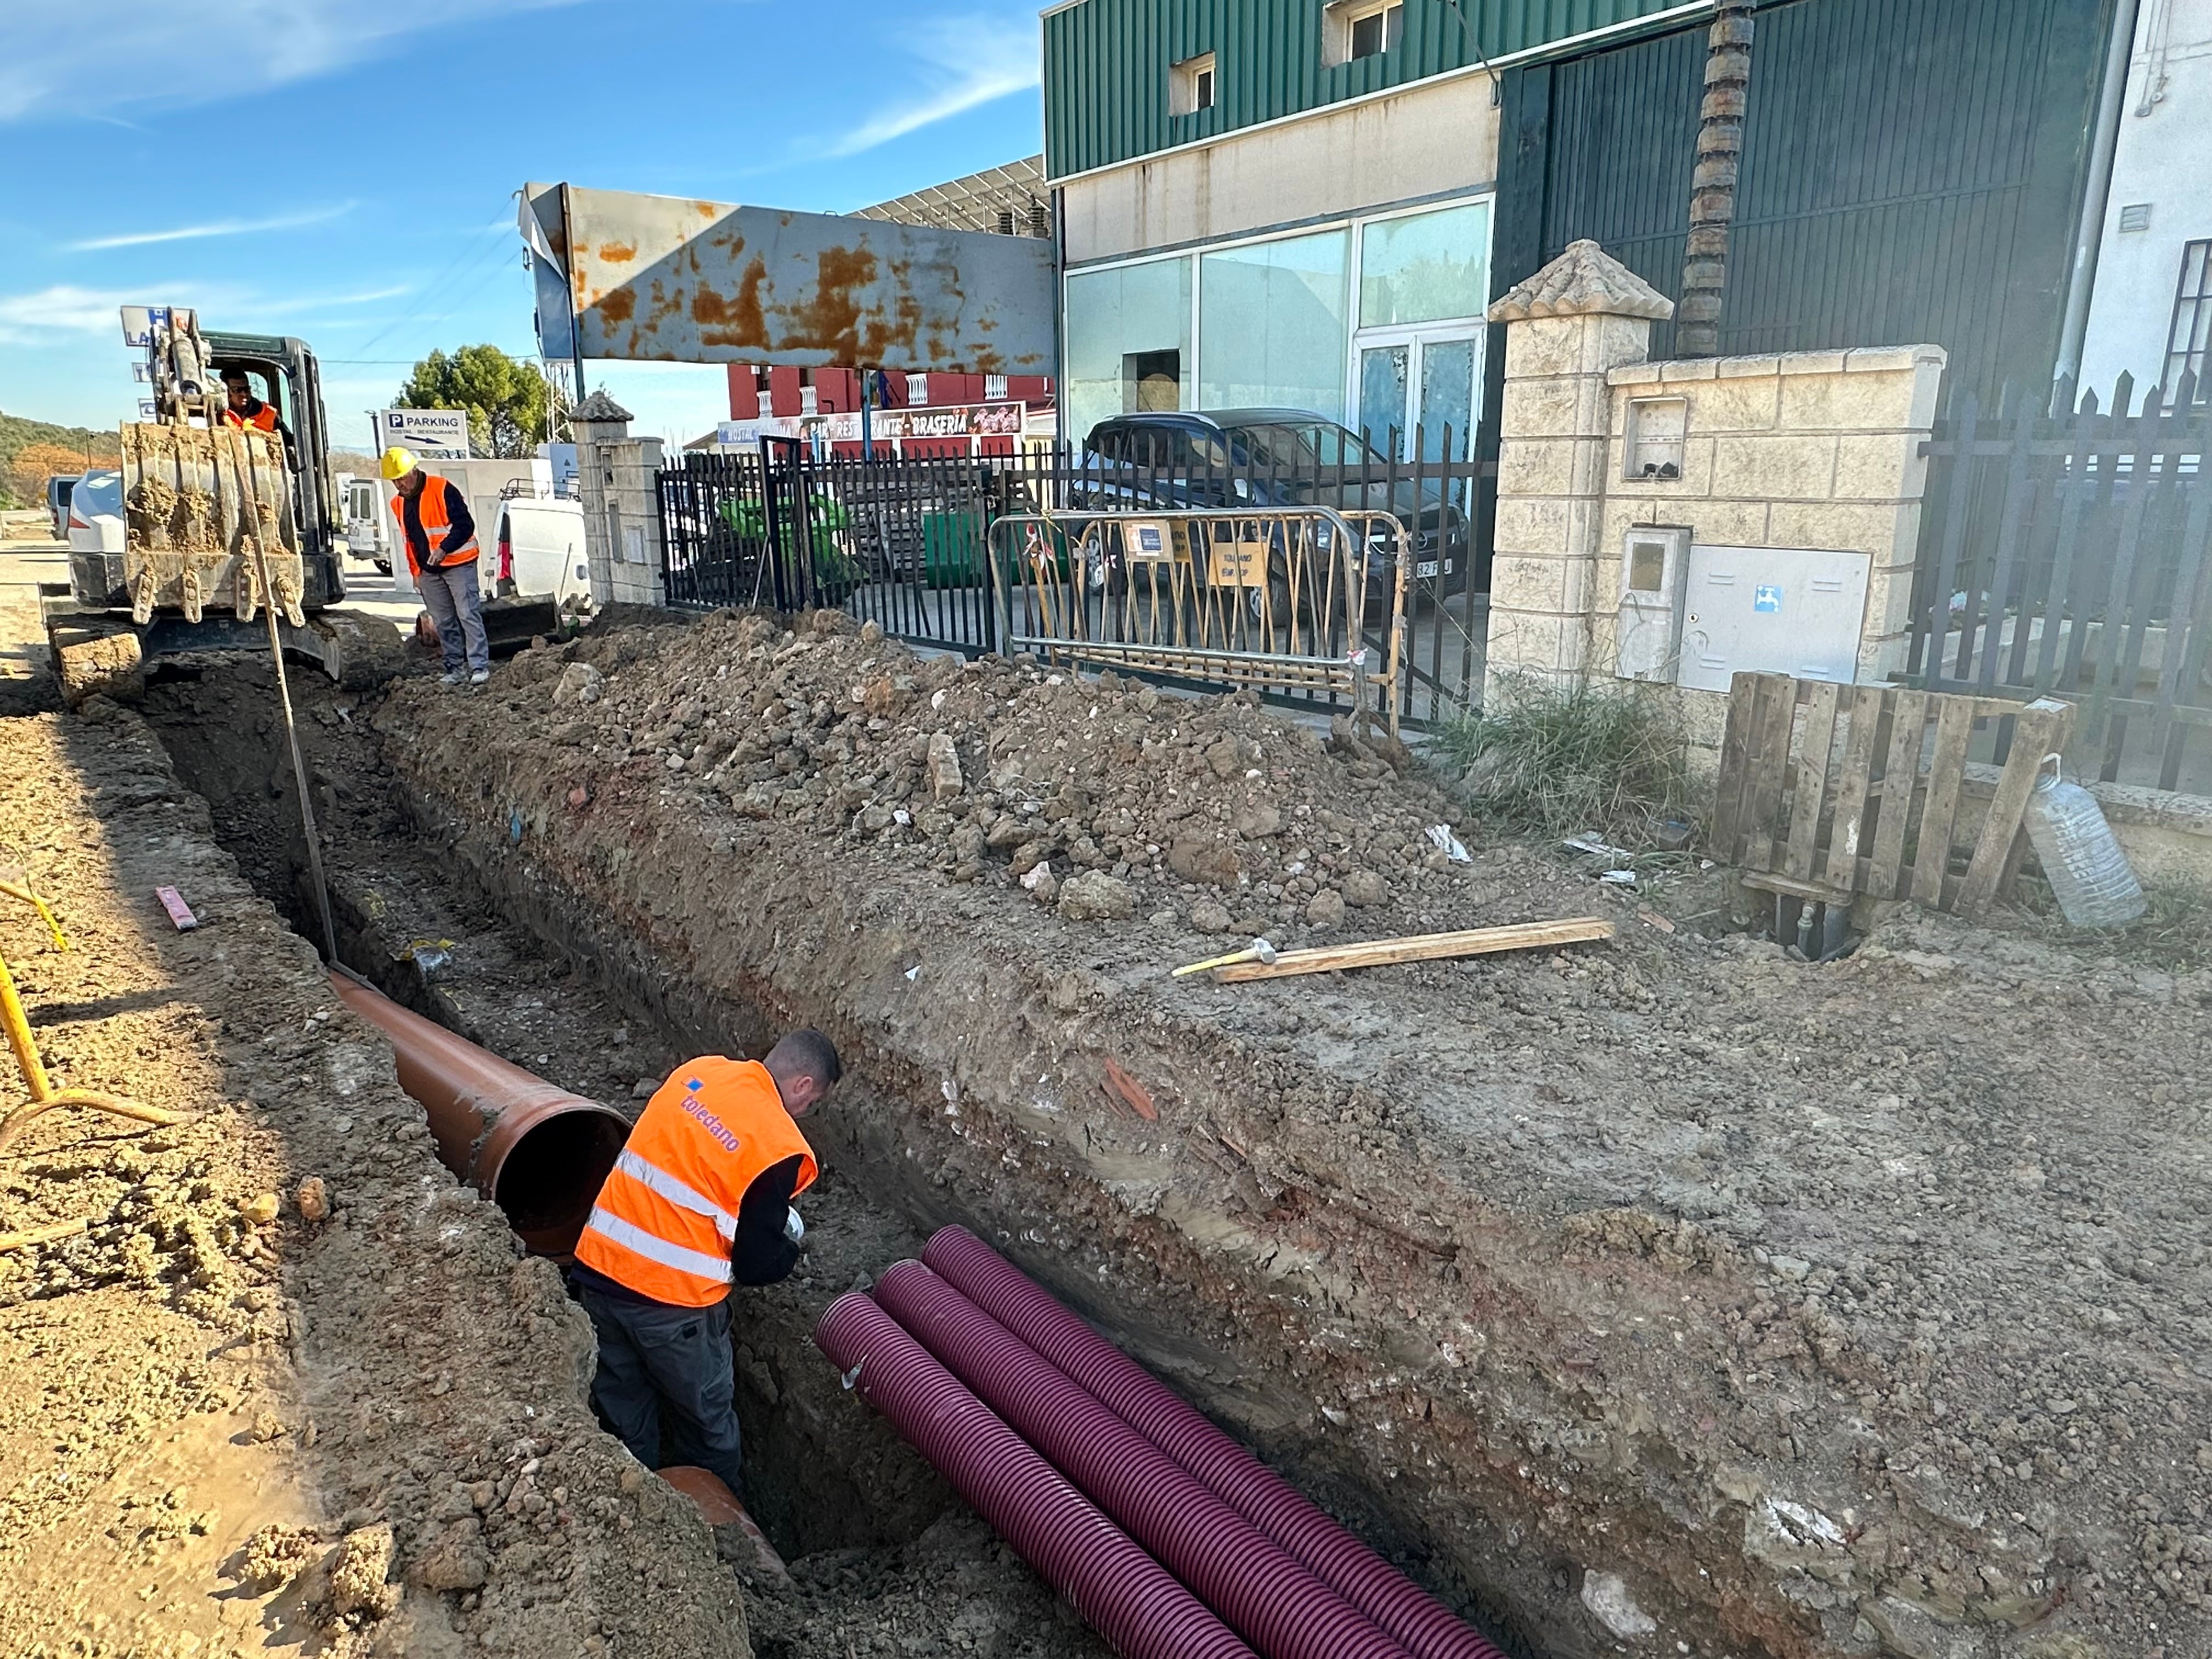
pixel 1426 267
pixel 1273 325
pixel 1128 341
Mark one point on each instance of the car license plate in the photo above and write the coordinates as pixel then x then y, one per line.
pixel 1425 569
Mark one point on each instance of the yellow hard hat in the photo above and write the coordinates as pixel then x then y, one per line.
pixel 397 463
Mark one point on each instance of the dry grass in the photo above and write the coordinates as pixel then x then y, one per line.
pixel 2173 933
pixel 1561 760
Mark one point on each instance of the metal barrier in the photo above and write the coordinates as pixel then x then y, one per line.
pixel 1290 599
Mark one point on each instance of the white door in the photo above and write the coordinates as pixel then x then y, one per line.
pixel 1423 380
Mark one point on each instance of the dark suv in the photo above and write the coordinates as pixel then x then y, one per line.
pixel 1281 457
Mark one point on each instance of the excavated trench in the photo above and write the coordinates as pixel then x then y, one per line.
pixel 882 1551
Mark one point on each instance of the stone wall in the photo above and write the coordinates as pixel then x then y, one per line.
pixel 614 474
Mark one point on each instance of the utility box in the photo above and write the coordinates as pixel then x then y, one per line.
pixel 1793 610
pixel 1654 562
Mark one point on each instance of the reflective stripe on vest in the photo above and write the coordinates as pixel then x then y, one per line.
pixel 668 1211
pixel 434 507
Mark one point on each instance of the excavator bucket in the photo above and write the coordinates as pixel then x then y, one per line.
pixel 199 504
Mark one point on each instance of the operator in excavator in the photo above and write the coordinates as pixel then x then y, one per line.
pixel 242 407
pixel 441 537
pixel 699 1200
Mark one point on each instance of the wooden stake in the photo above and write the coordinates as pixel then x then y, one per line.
pixel 1420 947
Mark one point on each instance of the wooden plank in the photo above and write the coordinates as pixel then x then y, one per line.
pixel 1863 705
pixel 1812 786
pixel 1818 891
pixel 1908 725
pixel 1771 722
pixel 2044 728
pixel 1724 841
pixel 1420 947
pixel 1954 729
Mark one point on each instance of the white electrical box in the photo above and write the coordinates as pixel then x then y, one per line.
pixel 1654 562
pixel 1772 610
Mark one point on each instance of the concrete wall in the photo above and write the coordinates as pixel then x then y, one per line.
pixel 2164 161
pixel 1800 450
pixel 1434 139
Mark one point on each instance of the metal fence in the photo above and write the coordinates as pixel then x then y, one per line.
pixel 904 541
pixel 2067 552
pixel 1304 602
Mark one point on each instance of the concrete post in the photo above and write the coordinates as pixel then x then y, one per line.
pixel 600 423
pixel 1582 315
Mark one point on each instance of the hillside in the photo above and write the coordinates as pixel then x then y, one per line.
pixel 18 433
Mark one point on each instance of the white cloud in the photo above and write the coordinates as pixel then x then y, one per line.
pixel 86 57
pixel 967 62
pixel 221 227
pixel 66 309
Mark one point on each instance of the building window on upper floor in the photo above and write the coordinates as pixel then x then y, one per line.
pixel 1353 29
pixel 1190 85
pixel 917 391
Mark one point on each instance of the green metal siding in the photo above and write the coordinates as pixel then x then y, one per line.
pixel 1912 173
pixel 1106 63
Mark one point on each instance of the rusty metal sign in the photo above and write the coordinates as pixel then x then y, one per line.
pixel 672 279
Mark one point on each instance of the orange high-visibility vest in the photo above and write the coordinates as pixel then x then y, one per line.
pixel 436 505
pixel 264 419
pixel 668 1211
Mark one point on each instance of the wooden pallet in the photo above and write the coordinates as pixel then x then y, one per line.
pixel 1830 791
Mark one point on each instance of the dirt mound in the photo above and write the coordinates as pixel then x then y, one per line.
pixel 1227 815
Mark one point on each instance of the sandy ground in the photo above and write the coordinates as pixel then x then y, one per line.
pixel 1668 1291
pixel 227 1428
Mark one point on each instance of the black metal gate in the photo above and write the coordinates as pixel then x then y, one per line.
pixel 903 541
pixel 2067 552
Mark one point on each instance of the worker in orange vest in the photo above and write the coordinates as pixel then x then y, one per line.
pixel 439 535
pixel 242 407
pixel 699 1200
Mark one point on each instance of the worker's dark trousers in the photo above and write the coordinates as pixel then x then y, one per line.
pixel 665 1384
pixel 450 595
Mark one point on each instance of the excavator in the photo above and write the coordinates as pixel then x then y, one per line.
pixel 221 524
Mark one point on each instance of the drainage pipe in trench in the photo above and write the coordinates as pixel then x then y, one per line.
pixel 1265 1596
pixel 1126 1597
pixel 537 1152
pixel 1427 1628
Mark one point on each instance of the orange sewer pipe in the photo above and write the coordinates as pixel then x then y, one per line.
pixel 537 1152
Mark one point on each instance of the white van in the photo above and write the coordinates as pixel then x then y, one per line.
pixel 540 549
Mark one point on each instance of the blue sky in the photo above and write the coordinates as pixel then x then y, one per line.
pixel 342 170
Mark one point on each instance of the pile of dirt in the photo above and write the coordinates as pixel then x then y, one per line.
pixel 1106 797
pixel 292 1390
pixel 1667 1292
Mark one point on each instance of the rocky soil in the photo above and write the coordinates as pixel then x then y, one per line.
pixel 1666 1295
pixel 293 1391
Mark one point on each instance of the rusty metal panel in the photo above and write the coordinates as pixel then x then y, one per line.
pixel 673 279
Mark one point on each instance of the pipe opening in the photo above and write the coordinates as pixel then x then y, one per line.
pixel 551 1174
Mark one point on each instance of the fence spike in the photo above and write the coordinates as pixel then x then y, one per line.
pixel 2124 392
pixel 2185 390
pixel 2007 401
pixel 2061 395
pixel 2089 402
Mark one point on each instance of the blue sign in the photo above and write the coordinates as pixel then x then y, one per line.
pixel 1767 598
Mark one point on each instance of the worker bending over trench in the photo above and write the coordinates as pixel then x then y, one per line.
pixel 699 1199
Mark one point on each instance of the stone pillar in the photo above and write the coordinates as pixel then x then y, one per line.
pixel 600 423
pixel 1580 316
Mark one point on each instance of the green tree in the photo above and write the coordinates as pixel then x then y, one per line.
pixel 508 402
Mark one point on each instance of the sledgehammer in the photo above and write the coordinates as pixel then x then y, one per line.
pixel 1258 951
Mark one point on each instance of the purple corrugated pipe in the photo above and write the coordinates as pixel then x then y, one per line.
pixel 1265 1596
pixel 1127 1597
pixel 1428 1628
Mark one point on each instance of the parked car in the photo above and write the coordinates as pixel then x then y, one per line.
pixel 57 502
pixel 94 520
pixel 1282 458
